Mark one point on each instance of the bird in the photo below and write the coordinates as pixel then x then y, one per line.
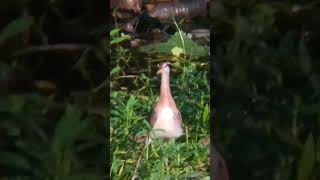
pixel 166 119
pixel 219 170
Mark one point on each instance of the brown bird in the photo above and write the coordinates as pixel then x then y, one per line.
pixel 166 119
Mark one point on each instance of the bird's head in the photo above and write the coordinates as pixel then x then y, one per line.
pixel 164 68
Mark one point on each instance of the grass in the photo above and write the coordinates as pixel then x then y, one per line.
pixel 131 105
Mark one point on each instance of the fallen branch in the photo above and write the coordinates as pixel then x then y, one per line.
pixel 126 76
pixel 135 175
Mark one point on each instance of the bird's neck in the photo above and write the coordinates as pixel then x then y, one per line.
pixel 165 86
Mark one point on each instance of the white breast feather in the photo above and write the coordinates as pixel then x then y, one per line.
pixel 166 126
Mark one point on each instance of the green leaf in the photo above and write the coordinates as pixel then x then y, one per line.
pixel 131 102
pixel 68 129
pixel 117 40
pixel 205 115
pixel 126 36
pixel 115 70
pixel 16 27
pixel 115 165
pixel 114 32
pixel 177 51
pixel 307 160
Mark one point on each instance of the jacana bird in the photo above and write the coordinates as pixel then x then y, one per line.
pixel 166 119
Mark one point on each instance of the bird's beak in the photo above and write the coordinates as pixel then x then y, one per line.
pixel 158 72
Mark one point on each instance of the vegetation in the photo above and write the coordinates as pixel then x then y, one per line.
pixel 32 149
pixel 134 91
pixel 267 88
pixel 51 96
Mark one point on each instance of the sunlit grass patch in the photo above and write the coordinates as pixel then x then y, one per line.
pixel 188 156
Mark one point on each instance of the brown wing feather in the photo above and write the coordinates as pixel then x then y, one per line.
pixel 177 116
pixel 153 118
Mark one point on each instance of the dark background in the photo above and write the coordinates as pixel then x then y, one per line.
pixel 266 78
pixel 53 89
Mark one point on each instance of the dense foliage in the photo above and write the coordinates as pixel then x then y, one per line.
pixel 35 147
pixel 52 98
pixel 267 88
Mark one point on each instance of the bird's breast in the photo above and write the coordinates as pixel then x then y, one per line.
pixel 167 125
pixel 165 118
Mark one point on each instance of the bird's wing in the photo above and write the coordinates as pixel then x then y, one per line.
pixel 153 118
pixel 177 116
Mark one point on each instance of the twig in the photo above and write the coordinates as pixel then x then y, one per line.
pixel 126 76
pixel 135 175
